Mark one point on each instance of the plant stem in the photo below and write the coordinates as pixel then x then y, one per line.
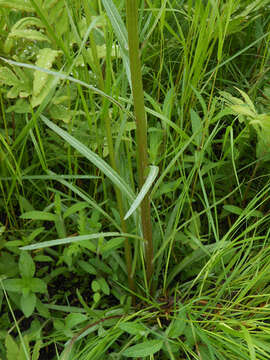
pixel 141 127
pixel 107 122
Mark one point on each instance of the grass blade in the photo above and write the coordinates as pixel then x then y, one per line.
pixel 92 157
pixel 144 190
pixel 73 239
pixel 120 32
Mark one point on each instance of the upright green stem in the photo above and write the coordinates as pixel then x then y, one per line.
pixel 105 85
pixel 107 121
pixel 141 129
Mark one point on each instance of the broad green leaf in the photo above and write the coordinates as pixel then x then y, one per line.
pixel 20 107
pixel 38 285
pixel 45 92
pixel 39 215
pixel 94 158
pixel 42 309
pixel 74 319
pixel 14 243
pixel 12 348
pixel 95 285
pixel 178 325
pixel 15 285
pixel 28 34
pixel 8 266
pixel 8 77
pixel 96 297
pixel 85 244
pixel 144 349
pixel 75 208
pixel 233 209
pixel 144 190
pixel 112 244
pixel 24 350
pixel 19 82
pixel 87 267
pixel 28 303
pixel 133 328
pixel 104 286
pixel 26 265
pixel 36 350
pixel 61 112
pixel 58 324
pixel 45 59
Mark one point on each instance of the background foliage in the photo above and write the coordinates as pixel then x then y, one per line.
pixel 205 67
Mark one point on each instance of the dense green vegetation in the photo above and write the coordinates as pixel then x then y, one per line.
pixel 79 277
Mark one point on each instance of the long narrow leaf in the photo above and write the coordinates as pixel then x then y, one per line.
pixel 92 157
pixel 120 31
pixel 117 23
pixel 144 190
pixel 74 239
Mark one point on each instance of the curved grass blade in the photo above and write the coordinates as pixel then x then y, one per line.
pixel 120 32
pixel 93 158
pixel 144 190
pixel 74 239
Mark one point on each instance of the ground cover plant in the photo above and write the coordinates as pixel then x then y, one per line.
pixel 135 149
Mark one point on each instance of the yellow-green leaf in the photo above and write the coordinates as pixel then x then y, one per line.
pixel 12 348
pixel 29 34
pixel 45 59
pixel 247 100
pixel 8 77
pixel 50 84
pixel 17 4
pixel 243 110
